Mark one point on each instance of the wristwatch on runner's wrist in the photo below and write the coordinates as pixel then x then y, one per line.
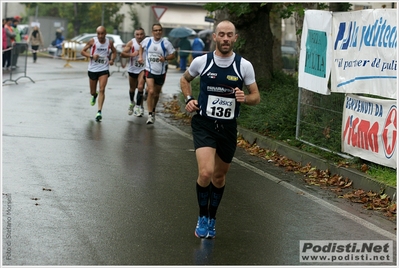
pixel 189 98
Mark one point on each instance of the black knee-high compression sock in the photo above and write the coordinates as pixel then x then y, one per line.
pixel 215 198
pixel 131 96
pixel 203 199
pixel 139 97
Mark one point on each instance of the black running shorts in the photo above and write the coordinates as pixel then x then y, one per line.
pixel 216 134
pixel 96 75
pixel 158 79
pixel 133 75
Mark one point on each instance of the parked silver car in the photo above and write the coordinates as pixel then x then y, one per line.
pixel 79 42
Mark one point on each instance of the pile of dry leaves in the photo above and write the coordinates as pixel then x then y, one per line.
pixel 323 178
pixel 173 107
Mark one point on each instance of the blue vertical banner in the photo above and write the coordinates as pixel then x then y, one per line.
pixel 316 52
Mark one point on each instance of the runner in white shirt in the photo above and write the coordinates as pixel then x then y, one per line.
pixel 99 63
pixel 136 72
pixel 157 51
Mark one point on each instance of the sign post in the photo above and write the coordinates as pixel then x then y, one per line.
pixel 159 11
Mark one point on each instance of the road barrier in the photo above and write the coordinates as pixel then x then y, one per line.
pixel 19 59
pixel 70 52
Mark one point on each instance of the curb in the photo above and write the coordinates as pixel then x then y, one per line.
pixel 360 180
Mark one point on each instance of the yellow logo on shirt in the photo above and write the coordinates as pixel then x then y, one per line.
pixel 232 78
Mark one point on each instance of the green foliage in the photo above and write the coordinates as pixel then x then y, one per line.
pixel 384 174
pixel 287 9
pixel 275 115
pixel 107 12
pixel 134 16
pixel 237 9
pixel 240 43
pixel 82 17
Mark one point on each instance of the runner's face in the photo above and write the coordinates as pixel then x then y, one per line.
pixel 139 35
pixel 225 37
pixel 101 35
pixel 157 32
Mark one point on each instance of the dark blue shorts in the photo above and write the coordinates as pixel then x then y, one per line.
pixel 216 134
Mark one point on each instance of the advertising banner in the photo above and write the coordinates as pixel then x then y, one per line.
pixel 369 129
pixel 365 52
pixel 315 56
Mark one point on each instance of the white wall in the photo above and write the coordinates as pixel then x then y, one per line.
pixel 11 9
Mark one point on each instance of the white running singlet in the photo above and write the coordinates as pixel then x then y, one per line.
pixel 102 63
pixel 134 66
pixel 153 50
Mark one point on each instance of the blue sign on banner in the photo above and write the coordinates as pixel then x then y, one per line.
pixel 316 53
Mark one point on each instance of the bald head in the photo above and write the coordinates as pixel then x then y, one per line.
pixel 225 25
pixel 101 28
pixel 101 32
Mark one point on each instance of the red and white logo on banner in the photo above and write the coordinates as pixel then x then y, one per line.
pixel 390 132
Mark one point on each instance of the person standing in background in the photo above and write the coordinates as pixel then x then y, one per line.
pixel 59 39
pixel 184 52
pixel 10 39
pixel 4 37
pixel 136 73
pixel 207 43
pixel 35 39
pixel 16 51
pixel 197 47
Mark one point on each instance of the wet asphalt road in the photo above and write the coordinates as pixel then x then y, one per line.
pixel 119 192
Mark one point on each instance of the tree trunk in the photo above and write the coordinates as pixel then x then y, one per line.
pixel 255 38
pixel 276 28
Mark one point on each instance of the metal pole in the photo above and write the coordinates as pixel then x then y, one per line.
pixel 37 11
pixel 298 113
pixel 102 15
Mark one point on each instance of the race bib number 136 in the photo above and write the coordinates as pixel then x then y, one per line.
pixel 220 107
